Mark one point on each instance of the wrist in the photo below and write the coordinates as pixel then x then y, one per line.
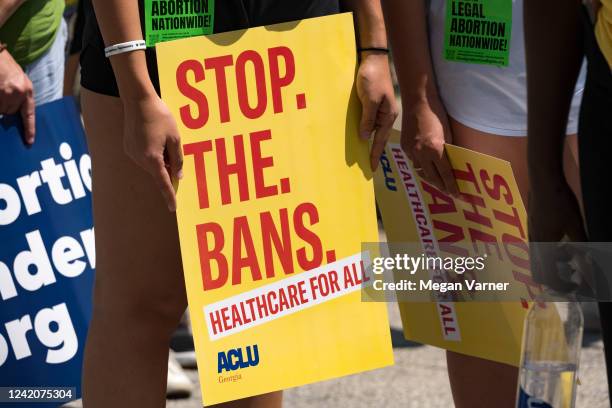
pixel 419 100
pixel 6 56
pixel 374 55
pixel 8 66
pixel 421 91
pixel 132 76
pixel 380 50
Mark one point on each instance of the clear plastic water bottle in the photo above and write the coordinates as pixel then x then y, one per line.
pixel 551 352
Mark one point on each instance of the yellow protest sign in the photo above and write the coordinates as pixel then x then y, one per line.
pixel 276 200
pixel 487 218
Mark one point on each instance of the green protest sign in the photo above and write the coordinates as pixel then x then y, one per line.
pixel 167 20
pixel 478 31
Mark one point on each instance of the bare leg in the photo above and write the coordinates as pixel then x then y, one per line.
pixel 139 295
pixel 476 382
pixel 512 149
pixel 274 399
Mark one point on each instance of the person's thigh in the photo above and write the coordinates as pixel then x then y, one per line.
pixel 138 255
pixel 139 293
pixel 512 149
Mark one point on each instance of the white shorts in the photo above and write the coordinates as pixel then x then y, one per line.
pixel 488 98
pixel 47 72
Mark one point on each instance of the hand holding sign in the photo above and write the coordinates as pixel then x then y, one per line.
pixel 425 130
pixel 487 217
pixel 153 142
pixel 379 107
pixel 16 94
pixel 275 204
pixel 47 256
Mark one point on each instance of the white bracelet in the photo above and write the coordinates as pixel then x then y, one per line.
pixel 124 47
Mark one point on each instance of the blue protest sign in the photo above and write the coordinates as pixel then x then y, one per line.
pixel 47 254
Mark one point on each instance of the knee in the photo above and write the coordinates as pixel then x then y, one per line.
pixel 153 312
pixel 167 310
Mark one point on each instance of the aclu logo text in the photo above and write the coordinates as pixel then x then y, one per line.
pixel 235 359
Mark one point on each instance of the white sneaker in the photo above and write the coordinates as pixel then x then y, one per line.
pixel 179 385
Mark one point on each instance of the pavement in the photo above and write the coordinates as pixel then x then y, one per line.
pixel 417 380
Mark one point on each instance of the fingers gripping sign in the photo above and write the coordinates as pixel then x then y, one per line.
pixel 379 106
pixel 425 131
pixel 17 94
pixel 152 140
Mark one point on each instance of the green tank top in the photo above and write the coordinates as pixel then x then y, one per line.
pixel 31 30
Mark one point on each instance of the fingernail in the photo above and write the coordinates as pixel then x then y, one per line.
pixel 179 175
pixel 365 135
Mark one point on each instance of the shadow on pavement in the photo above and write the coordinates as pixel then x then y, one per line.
pixel 398 340
pixel 589 337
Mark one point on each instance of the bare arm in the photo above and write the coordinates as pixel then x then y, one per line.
pixel 119 21
pixel 407 27
pixel 554 56
pixel 7 8
pixel 425 127
pixel 374 84
pixel 370 22
pixel 151 137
